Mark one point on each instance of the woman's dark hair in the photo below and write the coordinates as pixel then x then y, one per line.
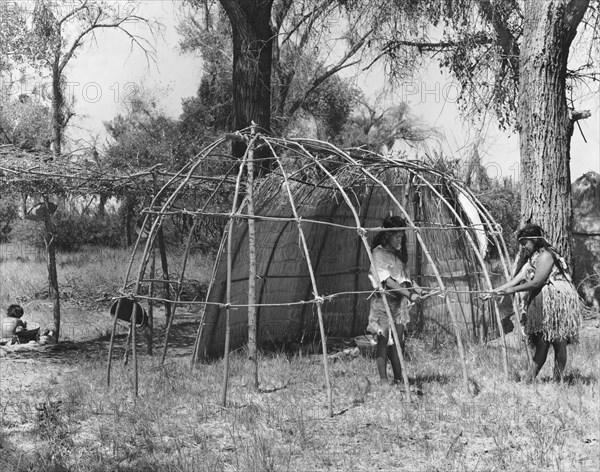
pixel 14 311
pixel 536 235
pixel 382 237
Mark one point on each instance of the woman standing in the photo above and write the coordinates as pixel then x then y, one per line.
pixel 389 268
pixel 552 306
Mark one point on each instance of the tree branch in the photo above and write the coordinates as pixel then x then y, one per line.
pixel 135 39
pixel 478 39
pixel 507 41
pixel 341 64
pixel 576 115
pixel 72 13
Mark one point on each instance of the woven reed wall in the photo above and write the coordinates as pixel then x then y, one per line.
pixel 340 263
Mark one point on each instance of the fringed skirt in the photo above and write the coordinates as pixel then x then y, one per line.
pixel 555 312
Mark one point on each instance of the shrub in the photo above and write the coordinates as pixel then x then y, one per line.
pixel 503 201
pixel 74 230
pixel 8 216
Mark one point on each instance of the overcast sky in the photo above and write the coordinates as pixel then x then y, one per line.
pixel 103 75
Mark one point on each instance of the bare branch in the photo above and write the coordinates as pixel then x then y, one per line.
pixel 341 64
pixel 135 39
pixel 577 115
pixel 72 13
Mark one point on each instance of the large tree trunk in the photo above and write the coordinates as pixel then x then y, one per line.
pixel 252 59
pixel 544 123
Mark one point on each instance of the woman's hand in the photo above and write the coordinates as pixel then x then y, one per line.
pixel 496 293
pixel 415 297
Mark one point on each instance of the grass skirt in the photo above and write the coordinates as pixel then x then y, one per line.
pixel 378 318
pixel 555 312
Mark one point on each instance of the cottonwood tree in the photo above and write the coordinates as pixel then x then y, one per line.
pixel 283 52
pixel 252 59
pixel 326 108
pixel 544 118
pixel 511 58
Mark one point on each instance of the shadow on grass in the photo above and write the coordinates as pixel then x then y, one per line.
pixel 570 379
pixel 422 379
pixel 180 344
pixel 577 377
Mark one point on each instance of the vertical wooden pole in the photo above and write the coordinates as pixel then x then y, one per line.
pixel 252 321
pixel 134 348
pixel 127 344
pixel 51 264
pixel 150 327
pixel 416 203
pixel 229 269
pixel 163 253
pixel 227 313
pixel 165 269
pixel 112 342
pixel 196 351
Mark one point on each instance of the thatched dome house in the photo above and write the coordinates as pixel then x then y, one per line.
pixel 586 232
pixel 314 216
pixel 340 261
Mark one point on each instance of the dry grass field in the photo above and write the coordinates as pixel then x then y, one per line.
pixel 58 414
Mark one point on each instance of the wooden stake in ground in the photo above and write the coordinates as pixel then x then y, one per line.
pixel 252 321
pixel 51 263
pixel 134 313
pixel 236 197
pixel 150 329
pixel 112 341
pixel 165 269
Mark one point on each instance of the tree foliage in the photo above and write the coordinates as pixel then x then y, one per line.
pixel 14 37
pixel 209 113
pixel 55 35
pixel 375 126
pixel 480 43
pixel 312 44
pixel 25 122
pixel 143 136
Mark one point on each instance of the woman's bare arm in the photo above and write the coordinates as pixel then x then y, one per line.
pixel 542 272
